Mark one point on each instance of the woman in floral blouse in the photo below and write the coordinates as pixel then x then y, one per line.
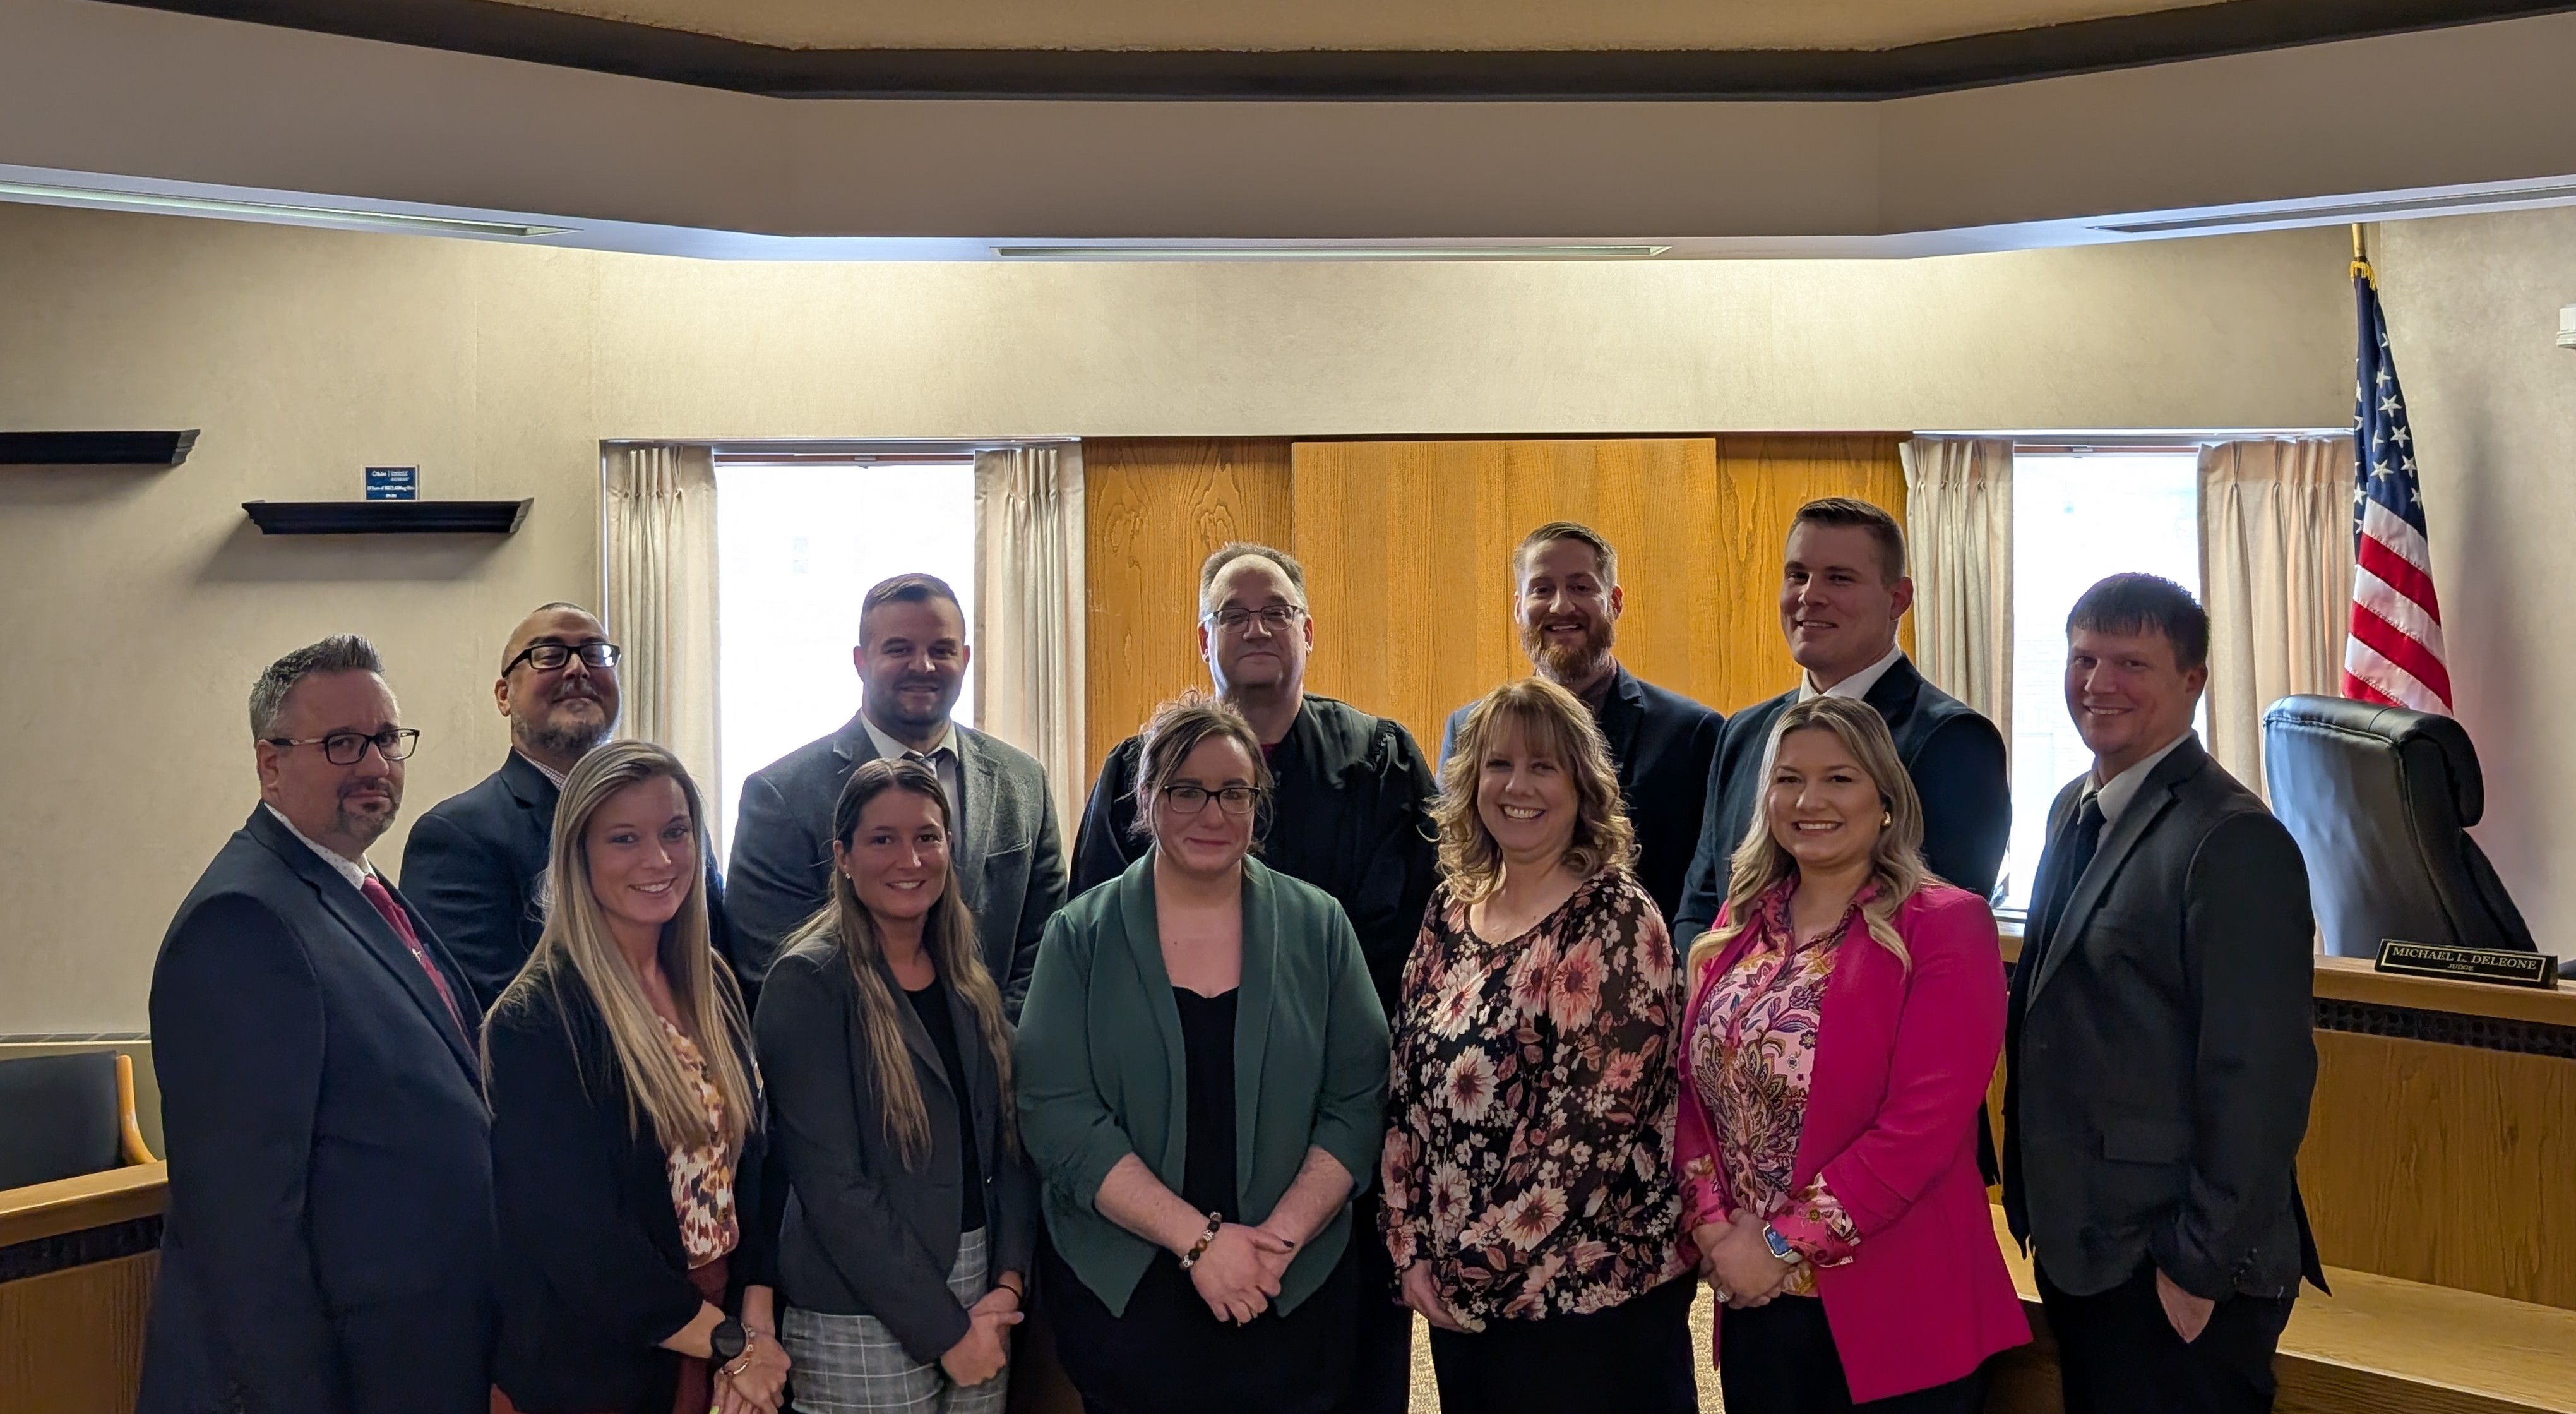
pixel 1530 1204
pixel 1845 1017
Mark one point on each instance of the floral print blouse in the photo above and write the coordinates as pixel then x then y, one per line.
pixel 1750 1053
pixel 1530 1145
pixel 702 1178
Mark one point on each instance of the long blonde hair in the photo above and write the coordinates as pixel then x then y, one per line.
pixel 947 934
pixel 1552 722
pixel 1896 861
pixel 577 949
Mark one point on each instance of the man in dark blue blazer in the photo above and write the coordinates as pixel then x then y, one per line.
pixel 1566 606
pixel 329 1237
pixel 1005 844
pixel 1843 587
pixel 475 865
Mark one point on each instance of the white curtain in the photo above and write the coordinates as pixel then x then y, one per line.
pixel 1959 520
pixel 2276 577
pixel 660 557
pixel 1029 606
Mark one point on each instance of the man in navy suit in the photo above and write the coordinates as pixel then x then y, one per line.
pixel 475 865
pixel 1566 604
pixel 1843 589
pixel 329 1236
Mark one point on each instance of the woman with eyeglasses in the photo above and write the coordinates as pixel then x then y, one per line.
pixel 1200 1067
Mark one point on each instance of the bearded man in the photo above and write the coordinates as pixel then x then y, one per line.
pixel 475 865
pixel 1566 606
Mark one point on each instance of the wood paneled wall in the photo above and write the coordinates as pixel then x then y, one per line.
pixel 1407 547
pixel 71 1342
pixel 2453 1165
pixel 1153 509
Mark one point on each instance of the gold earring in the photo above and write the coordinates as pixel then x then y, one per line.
pixel 1886 818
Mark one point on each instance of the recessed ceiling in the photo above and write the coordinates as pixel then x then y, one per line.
pixel 1469 25
pixel 1356 49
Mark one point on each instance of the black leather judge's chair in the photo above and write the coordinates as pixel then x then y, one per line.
pixel 2380 800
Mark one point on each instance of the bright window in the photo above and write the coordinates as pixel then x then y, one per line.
pixel 2076 519
pixel 796 548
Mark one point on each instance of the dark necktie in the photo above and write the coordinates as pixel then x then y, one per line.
pixel 383 898
pixel 2074 854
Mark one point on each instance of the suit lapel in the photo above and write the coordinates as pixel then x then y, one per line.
pixel 353 912
pixel 916 1037
pixel 1893 696
pixel 1253 997
pixel 981 780
pixel 2155 796
pixel 1622 712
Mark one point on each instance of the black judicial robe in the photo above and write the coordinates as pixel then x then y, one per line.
pixel 1350 814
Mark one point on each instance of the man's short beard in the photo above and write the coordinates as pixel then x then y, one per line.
pixel 563 740
pixel 1580 663
pixel 367 828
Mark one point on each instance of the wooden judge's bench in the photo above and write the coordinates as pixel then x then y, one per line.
pixel 2440 1178
pixel 2439 1169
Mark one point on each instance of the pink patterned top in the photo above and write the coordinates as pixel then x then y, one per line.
pixel 1751 1053
pixel 702 1178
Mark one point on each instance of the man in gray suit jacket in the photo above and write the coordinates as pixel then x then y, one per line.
pixel 1008 850
pixel 2159 1045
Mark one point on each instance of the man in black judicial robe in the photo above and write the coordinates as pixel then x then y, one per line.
pixel 1566 605
pixel 1348 813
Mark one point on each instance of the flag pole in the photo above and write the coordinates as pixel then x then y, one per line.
pixel 2361 265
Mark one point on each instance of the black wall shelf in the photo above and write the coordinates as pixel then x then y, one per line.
pixel 96 448
pixel 387 517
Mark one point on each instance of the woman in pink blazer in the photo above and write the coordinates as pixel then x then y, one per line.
pixel 1844 1019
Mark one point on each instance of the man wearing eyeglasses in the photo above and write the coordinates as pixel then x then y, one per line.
pixel 329 1236
pixel 476 863
pixel 1348 813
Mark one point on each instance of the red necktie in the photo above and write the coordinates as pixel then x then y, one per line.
pixel 383 899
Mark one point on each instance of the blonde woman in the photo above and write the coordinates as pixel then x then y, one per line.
pixel 904 1257
pixel 1845 1018
pixel 1530 1206
pixel 626 1124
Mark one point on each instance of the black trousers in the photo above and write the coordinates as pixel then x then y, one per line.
pixel 1780 1359
pixel 2118 1354
pixel 1634 1358
pixel 1381 1380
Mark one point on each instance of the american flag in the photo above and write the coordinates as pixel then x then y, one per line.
pixel 2394 654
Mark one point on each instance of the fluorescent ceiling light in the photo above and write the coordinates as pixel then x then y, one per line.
pixel 2350 211
pixel 222 206
pixel 1327 252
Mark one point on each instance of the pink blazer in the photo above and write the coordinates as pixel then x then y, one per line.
pixel 1902 1063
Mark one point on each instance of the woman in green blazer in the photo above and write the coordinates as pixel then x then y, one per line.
pixel 1201 1073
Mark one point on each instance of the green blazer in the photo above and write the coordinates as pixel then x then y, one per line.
pixel 1100 1067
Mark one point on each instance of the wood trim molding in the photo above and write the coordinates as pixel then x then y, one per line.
pixel 508 31
pixel 91 1200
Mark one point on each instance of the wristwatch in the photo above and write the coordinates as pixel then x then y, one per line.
pixel 728 1340
pixel 1779 1245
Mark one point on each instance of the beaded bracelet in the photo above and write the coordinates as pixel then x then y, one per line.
pixel 1199 1248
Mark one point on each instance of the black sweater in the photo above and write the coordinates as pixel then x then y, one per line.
pixel 591 1276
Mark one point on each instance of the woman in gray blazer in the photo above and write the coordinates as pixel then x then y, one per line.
pixel 905 1244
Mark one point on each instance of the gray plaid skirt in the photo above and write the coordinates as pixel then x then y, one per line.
pixel 847 1364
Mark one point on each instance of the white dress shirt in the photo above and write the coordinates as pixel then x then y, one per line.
pixel 1857 685
pixel 355 871
pixel 942 759
pixel 2115 794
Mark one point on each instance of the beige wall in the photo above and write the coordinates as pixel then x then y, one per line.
pixel 2473 315
pixel 139 605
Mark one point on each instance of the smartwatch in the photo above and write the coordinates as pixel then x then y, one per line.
pixel 1779 1245
pixel 728 1340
